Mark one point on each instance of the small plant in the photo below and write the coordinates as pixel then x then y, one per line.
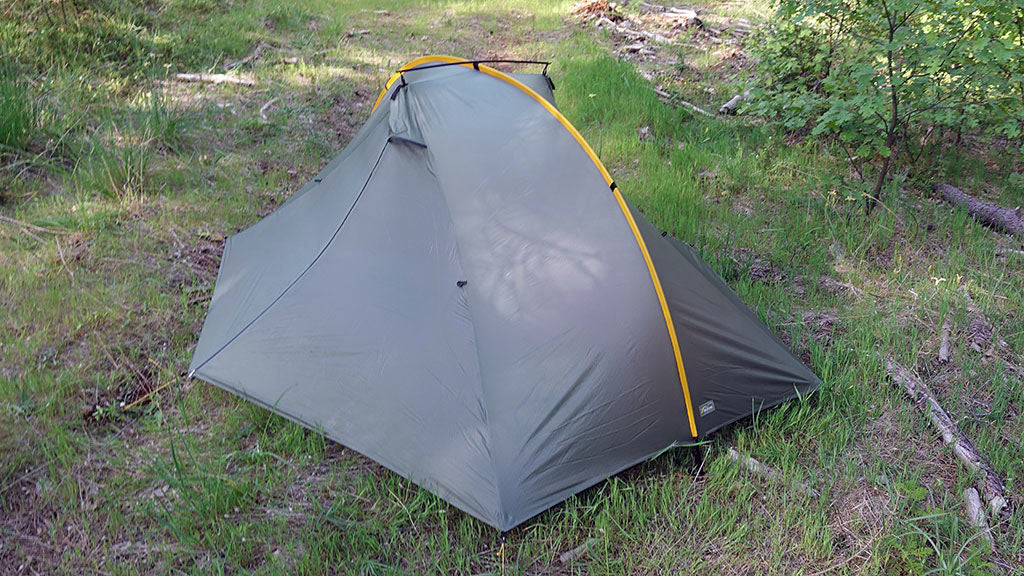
pixel 929 546
pixel 167 126
pixel 117 166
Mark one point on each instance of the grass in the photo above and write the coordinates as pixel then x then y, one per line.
pixel 120 184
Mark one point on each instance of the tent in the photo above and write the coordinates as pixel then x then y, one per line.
pixel 464 296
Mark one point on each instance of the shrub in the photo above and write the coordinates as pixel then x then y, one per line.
pixel 875 73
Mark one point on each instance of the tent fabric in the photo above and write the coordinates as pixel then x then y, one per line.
pixel 464 297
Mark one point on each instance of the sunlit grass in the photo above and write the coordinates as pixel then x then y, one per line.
pixel 109 254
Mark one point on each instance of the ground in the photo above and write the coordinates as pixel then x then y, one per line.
pixel 114 206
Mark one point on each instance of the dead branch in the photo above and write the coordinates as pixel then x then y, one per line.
pixel 263 109
pixel 215 79
pixel 693 107
pixel 976 514
pixel 576 552
pixel 944 344
pixel 1002 219
pixel 251 57
pixel 763 469
pixel 60 252
pixel 734 103
pixel 991 485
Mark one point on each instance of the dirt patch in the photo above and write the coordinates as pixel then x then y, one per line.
pixel 195 263
pixel 824 325
pixel 675 46
pixel 347 113
pixel 765 271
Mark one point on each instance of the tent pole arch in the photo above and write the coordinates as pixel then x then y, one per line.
pixel 608 179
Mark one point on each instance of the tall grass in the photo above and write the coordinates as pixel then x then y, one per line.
pixel 117 162
pixel 17 110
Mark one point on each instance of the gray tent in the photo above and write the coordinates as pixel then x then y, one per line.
pixel 464 296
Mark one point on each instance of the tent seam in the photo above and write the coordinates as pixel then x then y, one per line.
pixel 476 347
pixel 307 269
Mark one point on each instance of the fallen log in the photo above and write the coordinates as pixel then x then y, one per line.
pixel 1002 219
pixel 763 470
pixel 215 79
pixel 991 485
pixel 976 514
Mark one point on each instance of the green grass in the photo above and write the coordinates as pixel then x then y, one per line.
pixel 120 183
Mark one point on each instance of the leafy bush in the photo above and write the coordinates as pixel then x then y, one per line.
pixel 875 74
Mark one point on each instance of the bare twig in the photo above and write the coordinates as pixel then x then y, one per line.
pixel 566 557
pixel 263 109
pixel 763 469
pixel 255 55
pixel 693 107
pixel 60 252
pixel 733 103
pixel 24 225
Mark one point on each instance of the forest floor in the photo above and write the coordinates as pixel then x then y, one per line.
pixel 116 199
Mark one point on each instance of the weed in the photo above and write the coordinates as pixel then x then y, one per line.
pixel 117 164
pixel 17 109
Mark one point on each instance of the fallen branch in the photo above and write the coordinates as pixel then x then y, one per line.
pixel 976 514
pixel 1009 251
pixel 263 109
pixel 944 344
pixel 576 552
pixel 991 485
pixel 215 79
pixel 763 469
pixel 693 107
pixel 734 103
pixel 255 55
pixel 1002 219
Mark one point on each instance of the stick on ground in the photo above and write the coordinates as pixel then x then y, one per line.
pixel 991 485
pixel 944 345
pixel 566 557
pixel 763 469
pixel 693 107
pixel 976 514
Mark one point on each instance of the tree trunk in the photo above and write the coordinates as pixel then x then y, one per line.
pixel 1002 219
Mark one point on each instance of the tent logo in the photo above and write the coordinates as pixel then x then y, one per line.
pixel 707 408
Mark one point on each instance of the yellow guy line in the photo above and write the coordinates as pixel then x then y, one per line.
pixel 607 177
